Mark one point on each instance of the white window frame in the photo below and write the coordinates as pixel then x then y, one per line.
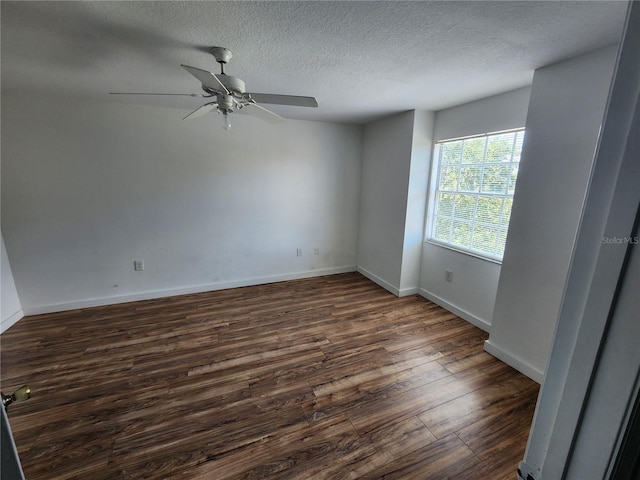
pixel 433 191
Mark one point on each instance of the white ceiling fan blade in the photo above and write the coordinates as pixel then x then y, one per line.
pixel 275 99
pixel 261 112
pixel 164 94
pixel 198 112
pixel 207 79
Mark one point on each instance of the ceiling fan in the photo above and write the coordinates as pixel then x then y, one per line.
pixel 230 95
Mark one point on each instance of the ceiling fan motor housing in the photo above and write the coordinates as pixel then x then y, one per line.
pixel 233 84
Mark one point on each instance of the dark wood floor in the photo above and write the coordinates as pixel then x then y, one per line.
pixel 330 377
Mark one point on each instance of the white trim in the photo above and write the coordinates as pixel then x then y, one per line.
pixel 405 292
pixel 11 320
pixel 398 292
pixel 469 317
pixel 98 302
pixel 514 361
pixel 477 135
pixel 380 281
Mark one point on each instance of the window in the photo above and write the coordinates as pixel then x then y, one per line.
pixel 475 179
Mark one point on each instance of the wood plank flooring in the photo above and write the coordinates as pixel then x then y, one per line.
pixel 330 377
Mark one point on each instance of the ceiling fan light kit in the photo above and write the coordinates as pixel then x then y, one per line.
pixel 226 121
pixel 231 95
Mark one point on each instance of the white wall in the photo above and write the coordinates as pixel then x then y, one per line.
pixel 386 155
pixel 472 291
pixel 421 151
pixel 89 187
pixel 10 308
pixel 594 360
pixel 492 114
pixel 395 168
pixel 563 122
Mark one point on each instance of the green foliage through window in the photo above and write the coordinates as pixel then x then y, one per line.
pixel 476 178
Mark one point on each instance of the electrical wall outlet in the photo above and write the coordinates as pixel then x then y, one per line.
pixel 448 275
pixel 316 251
pixel 138 265
pixel 299 252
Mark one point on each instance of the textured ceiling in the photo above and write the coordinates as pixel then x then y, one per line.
pixel 361 60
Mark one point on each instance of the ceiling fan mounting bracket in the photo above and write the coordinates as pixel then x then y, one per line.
pixel 221 54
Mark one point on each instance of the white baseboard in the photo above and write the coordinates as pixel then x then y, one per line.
pixel 398 292
pixel 507 357
pixel 98 302
pixel 11 320
pixel 405 292
pixel 514 361
pixel 469 317
pixel 380 281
